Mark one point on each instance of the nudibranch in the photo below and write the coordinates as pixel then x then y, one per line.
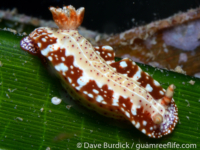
pixel 90 75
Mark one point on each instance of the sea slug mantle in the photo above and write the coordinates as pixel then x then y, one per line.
pixel 90 74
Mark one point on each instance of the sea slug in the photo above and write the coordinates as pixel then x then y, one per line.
pixel 90 74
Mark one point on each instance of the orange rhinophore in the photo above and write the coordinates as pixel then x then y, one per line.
pixel 168 95
pixel 68 17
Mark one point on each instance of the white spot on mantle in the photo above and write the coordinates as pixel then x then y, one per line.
pixel 90 95
pixel 63 58
pixel 137 75
pixel 123 64
pixel 106 47
pixel 127 114
pixel 133 111
pixel 143 131
pixel 95 91
pixel 133 122
pixel 156 83
pixel 161 92
pixel 137 125
pixel 99 98
pixel 44 40
pixel 50 58
pixel 144 123
pixel 61 67
pixel 149 88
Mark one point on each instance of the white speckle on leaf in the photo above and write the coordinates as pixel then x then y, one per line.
pixel 188 105
pixel 48 148
pixel 68 106
pixel 1 65
pixel 7 95
pixel 42 109
pixel 56 100
pixel 19 118
pixel 179 70
pixel 192 82
pixel 13 90
pixel 11 30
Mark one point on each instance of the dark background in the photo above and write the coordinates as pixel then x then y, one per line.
pixel 108 16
